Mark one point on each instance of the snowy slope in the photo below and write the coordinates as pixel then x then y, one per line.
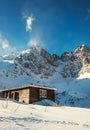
pixel 16 116
pixel 69 73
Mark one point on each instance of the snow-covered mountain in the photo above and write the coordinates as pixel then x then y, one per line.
pixel 69 73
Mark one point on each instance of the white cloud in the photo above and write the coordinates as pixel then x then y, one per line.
pixel 5 46
pixel 29 22
pixel 35 41
pixel 4 43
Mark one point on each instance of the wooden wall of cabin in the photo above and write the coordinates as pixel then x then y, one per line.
pixel 21 95
pixel 51 95
pixel 5 94
pixel 24 95
pixel 29 95
pixel 34 94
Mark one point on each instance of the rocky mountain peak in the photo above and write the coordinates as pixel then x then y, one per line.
pixel 82 50
pixel 36 60
pixel 33 49
pixel 76 62
pixel 36 48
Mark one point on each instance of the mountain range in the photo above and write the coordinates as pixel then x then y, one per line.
pixel 69 73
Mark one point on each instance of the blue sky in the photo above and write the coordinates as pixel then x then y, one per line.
pixel 57 25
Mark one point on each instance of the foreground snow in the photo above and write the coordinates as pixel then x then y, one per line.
pixel 16 116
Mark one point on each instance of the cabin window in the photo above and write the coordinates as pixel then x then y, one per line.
pixel 43 93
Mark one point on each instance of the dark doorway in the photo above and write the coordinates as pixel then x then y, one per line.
pixel 12 95
pixel 17 96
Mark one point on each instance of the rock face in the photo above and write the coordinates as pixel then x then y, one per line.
pixel 83 52
pixel 36 60
pixel 39 62
pixel 72 65
pixel 77 62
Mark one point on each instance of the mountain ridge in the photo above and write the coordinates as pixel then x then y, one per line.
pixel 68 72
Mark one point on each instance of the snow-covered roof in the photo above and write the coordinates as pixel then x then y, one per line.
pixel 28 86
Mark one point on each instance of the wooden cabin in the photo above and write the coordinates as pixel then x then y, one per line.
pixel 29 94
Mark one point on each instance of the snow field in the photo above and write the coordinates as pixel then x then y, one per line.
pixel 14 115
